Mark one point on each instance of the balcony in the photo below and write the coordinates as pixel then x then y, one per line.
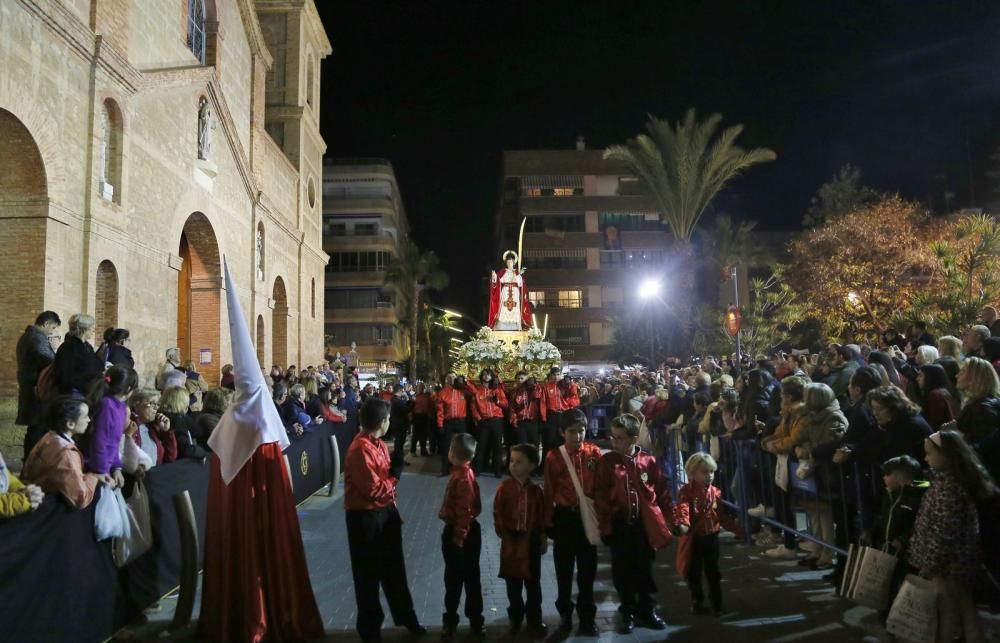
pixel 555 204
pixel 338 243
pixel 378 314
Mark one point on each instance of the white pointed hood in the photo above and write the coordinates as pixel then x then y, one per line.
pixel 252 419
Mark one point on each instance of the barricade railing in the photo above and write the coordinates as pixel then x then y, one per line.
pixel 599 418
pixel 839 499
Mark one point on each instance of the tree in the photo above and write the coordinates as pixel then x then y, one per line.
pixel 632 334
pixel 411 272
pixel 863 268
pixel 967 266
pixel 728 245
pixel 682 168
pixel 841 194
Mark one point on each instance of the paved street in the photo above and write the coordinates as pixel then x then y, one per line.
pixel 764 600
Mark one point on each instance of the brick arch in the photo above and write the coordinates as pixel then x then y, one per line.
pixel 24 196
pixel 279 324
pixel 45 131
pixel 106 296
pixel 199 294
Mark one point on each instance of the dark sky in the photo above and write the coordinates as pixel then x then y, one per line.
pixel 908 90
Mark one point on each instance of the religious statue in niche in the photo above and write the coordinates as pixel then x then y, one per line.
pixel 509 307
pixel 206 124
pixel 353 358
pixel 260 254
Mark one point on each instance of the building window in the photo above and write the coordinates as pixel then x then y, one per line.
pixel 565 191
pixel 570 298
pixel 368 261
pixel 365 229
pixel 363 334
pixel 109 162
pixel 629 221
pixel 310 80
pixel 196 29
pixel 557 222
pixel 358 298
pixel 611 257
pixel 536 297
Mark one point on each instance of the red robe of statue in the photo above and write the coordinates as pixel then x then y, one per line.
pixel 256 583
pixel 498 298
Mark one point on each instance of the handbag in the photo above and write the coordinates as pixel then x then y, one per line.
pixel 850 570
pixel 913 616
pixel 139 539
pixel 588 515
pixel 781 472
pixel 645 440
pixel 872 584
pixel 110 515
pixel 804 481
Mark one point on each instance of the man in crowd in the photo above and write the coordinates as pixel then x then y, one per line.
pixel 171 373
pixel 842 367
pixel 34 353
pixel 452 413
pixel 973 341
pixel 989 317
pixel 555 406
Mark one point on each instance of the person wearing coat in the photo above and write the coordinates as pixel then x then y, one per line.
pixel 939 406
pixel 34 353
pixel 77 365
pixel 905 429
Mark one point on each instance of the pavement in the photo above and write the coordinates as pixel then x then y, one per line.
pixel 764 600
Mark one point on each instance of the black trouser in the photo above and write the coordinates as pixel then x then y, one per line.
pixel 570 546
pixel 786 514
pixel 420 426
pixel 705 558
pixel 551 437
pixel 450 429
pixel 375 540
pixel 32 435
pixel 632 567
pixel 488 445
pixel 527 432
pixel 461 570
pixel 399 444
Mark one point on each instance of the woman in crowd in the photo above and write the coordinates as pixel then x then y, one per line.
pixel 107 401
pixel 886 362
pixel 174 404
pixel 77 366
pixel 979 419
pixel 925 355
pixel 195 382
pixel 149 428
pixel 905 429
pixel 950 346
pixel 213 405
pixel 825 424
pixel 119 349
pixel 56 464
pixel 938 404
pixel 946 545
pixel 790 431
pixel 228 380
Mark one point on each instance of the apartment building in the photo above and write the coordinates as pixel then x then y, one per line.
pixel 364 223
pixel 591 238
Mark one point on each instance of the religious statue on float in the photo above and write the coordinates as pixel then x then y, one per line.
pixel 509 306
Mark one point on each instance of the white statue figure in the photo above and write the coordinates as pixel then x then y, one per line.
pixel 206 123
pixel 353 357
pixel 260 254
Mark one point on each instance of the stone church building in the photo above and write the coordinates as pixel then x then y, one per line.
pixel 141 141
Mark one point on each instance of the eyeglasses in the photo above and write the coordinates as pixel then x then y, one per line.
pixel 153 405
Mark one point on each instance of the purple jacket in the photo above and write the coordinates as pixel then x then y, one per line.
pixel 103 455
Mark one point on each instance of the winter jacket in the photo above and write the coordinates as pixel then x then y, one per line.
pixel 939 407
pixel 979 418
pixel 905 436
pixel 791 430
pixel 34 353
pixel 76 366
pixel 897 517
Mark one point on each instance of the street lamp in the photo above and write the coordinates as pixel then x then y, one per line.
pixel 649 290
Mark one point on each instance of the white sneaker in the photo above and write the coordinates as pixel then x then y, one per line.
pixel 761 510
pixel 781 552
pixel 808 545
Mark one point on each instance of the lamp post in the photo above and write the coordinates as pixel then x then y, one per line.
pixel 736 302
pixel 650 289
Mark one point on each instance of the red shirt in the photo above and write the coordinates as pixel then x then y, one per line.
pixel 450 405
pixel 695 502
pixel 367 483
pixel 570 394
pixel 527 405
pixel 487 402
pixel 553 397
pixel 385 395
pixel 461 502
pixel 518 517
pixel 559 489
pixel 633 488
pixel 423 404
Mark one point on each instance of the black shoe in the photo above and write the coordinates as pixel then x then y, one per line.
pixel 627 624
pixel 514 629
pixel 698 609
pixel 448 632
pixel 537 630
pixel 478 629
pixel 588 628
pixel 416 629
pixel 652 621
pixel 566 626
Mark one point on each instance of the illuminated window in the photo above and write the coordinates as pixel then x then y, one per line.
pixel 562 192
pixel 533 192
pixel 536 297
pixel 570 298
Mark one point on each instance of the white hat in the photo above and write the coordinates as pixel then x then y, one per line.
pixel 252 419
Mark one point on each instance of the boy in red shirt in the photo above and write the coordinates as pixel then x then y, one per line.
pixel 699 517
pixel 520 522
pixel 570 545
pixel 633 507
pixel 374 529
pixel 461 539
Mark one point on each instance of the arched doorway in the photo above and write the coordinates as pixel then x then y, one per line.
pixel 260 342
pixel 279 325
pixel 106 300
pixel 24 191
pixel 199 296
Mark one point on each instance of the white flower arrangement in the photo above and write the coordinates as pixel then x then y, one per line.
pixel 538 351
pixel 484 349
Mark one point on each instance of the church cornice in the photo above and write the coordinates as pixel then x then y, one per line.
pixel 254 34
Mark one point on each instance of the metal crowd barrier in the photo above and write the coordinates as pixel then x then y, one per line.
pixel 746 477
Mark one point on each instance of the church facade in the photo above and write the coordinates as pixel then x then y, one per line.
pixel 143 142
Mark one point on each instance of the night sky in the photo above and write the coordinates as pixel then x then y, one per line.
pixel 908 90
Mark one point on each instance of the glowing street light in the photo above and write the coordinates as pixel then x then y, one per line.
pixel 451 328
pixel 649 289
pixel 455 339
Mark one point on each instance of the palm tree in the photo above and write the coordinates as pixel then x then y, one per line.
pixel 411 272
pixel 728 245
pixel 682 168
